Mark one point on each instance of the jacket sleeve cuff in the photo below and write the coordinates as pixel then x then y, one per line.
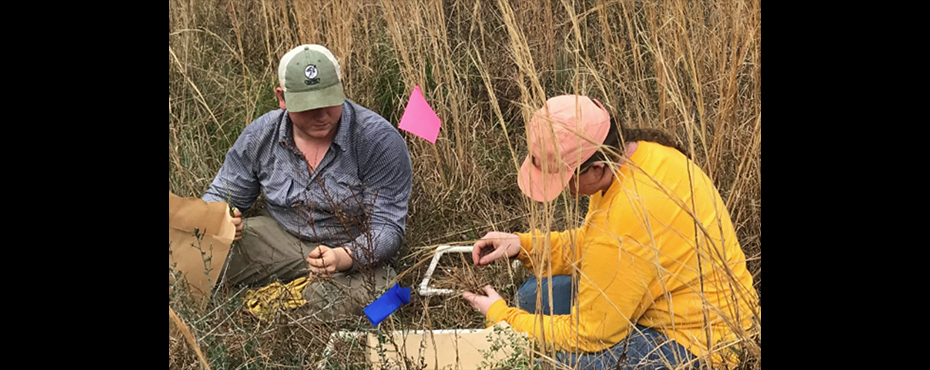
pixel 497 312
pixel 526 246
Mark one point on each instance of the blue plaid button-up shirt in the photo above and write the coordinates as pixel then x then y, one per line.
pixel 357 197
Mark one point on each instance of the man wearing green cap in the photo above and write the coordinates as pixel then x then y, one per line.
pixel 336 178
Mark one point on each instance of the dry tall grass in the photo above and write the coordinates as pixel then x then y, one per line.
pixel 692 68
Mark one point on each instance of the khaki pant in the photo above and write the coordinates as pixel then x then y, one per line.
pixel 268 253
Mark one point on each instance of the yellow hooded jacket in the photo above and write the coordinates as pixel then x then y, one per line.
pixel 657 249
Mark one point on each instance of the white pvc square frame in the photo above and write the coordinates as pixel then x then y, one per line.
pixel 425 290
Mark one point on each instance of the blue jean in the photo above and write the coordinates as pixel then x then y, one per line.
pixel 561 292
pixel 644 348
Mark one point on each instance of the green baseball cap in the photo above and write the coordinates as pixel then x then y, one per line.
pixel 311 78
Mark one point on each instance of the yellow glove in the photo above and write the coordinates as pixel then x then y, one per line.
pixel 268 300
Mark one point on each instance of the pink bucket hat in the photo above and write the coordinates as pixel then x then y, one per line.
pixel 561 136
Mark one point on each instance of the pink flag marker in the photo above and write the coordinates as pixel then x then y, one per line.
pixel 419 119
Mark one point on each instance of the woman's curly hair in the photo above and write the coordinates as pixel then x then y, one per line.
pixel 613 141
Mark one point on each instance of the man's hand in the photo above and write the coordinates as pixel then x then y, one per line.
pixel 325 260
pixel 482 302
pixel 237 221
pixel 495 245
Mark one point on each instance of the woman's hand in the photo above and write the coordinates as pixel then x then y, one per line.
pixel 495 245
pixel 482 302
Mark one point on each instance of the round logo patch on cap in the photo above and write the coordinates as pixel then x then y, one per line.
pixel 311 71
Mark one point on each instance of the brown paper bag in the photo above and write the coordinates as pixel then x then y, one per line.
pixel 198 259
pixel 449 349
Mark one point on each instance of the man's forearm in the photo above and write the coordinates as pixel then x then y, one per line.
pixel 343 258
pixel 374 247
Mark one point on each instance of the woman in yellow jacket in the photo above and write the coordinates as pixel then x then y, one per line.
pixel 659 277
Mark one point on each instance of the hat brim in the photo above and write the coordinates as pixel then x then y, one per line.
pixel 539 186
pixel 307 100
